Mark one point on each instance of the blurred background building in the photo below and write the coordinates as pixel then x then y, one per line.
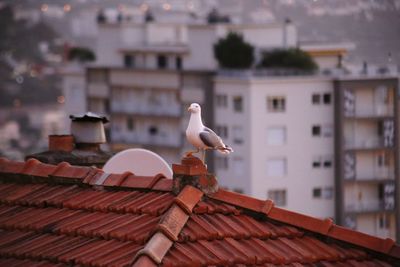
pixel 320 141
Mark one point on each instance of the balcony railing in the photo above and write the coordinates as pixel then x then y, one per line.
pixel 373 177
pixel 148 110
pixel 366 144
pixel 367 206
pixel 378 112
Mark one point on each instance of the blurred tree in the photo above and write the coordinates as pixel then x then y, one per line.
pixel 233 52
pixel 21 59
pixel 292 58
pixel 81 54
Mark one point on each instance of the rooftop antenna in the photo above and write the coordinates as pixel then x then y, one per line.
pixel 141 162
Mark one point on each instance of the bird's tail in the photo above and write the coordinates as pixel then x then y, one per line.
pixel 225 149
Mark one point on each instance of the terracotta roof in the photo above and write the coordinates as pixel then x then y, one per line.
pixel 57 215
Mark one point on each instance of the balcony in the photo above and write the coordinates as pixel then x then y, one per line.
pixel 367 144
pixel 373 177
pixel 370 115
pixel 172 111
pixel 368 206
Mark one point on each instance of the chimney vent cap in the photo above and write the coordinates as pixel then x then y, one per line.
pixel 88 117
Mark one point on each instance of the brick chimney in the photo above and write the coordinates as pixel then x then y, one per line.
pixel 81 147
pixel 192 171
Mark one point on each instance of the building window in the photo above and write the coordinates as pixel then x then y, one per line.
pixel 221 163
pixel 129 61
pixel 327 98
pixel 276 103
pixel 278 196
pixel 238 103
pixel 178 63
pixel 221 100
pixel 325 193
pixel 237 134
pixel 316 130
pixel 327 162
pixel 276 136
pixel 316 163
pixel 322 161
pixel 316 99
pixel 130 124
pixel 321 98
pixel 317 192
pixel 153 130
pixel 222 131
pixel 162 62
pixel 327 130
pixel 276 167
pixel 238 166
pixel 384 221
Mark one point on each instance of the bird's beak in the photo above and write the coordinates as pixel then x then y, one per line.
pixel 190 109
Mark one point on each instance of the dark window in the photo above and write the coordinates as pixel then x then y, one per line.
pixel 317 192
pixel 130 124
pixel 178 63
pixel 316 164
pixel 162 62
pixel 153 130
pixel 327 98
pixel 381 191
pixel 380 128
pixel 238 103
pixel 276 103
pixel 316 130
pixel 129 61
pixel 316 98
pixel 327 163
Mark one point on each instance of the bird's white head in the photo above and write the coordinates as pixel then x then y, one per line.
pixel 194 108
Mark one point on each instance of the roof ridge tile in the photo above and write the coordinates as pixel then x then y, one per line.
pixel 325 227
pixel 170 226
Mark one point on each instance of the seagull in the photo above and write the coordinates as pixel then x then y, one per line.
pixel 202 137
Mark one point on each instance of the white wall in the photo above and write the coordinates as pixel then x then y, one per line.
pixel 74 91
pixel 300 148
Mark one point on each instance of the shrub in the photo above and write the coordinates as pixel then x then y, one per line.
pixel 233 52
pixel 292 58
pixel 81 54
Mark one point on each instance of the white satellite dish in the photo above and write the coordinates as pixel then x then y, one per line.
pixel 139 161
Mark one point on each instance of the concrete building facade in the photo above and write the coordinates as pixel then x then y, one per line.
pixel 331 142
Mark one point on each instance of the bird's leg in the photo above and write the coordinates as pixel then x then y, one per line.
pixel 204 153
pixel 190 153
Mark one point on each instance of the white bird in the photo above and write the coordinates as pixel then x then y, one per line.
pixel 202 137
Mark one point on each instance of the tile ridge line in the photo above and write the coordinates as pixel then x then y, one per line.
pixel 65 173
pixel 309 223
pixel 170 226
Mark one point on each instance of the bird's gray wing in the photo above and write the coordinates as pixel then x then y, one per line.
pixel 210 138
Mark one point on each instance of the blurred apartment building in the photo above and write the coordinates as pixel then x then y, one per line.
pixel 325 144
pixel 146 74
pixel 330 142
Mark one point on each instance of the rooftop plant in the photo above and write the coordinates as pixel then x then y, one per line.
pixel 233 52
pixel 292 58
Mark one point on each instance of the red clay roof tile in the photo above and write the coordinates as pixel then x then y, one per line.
pixel 58 215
